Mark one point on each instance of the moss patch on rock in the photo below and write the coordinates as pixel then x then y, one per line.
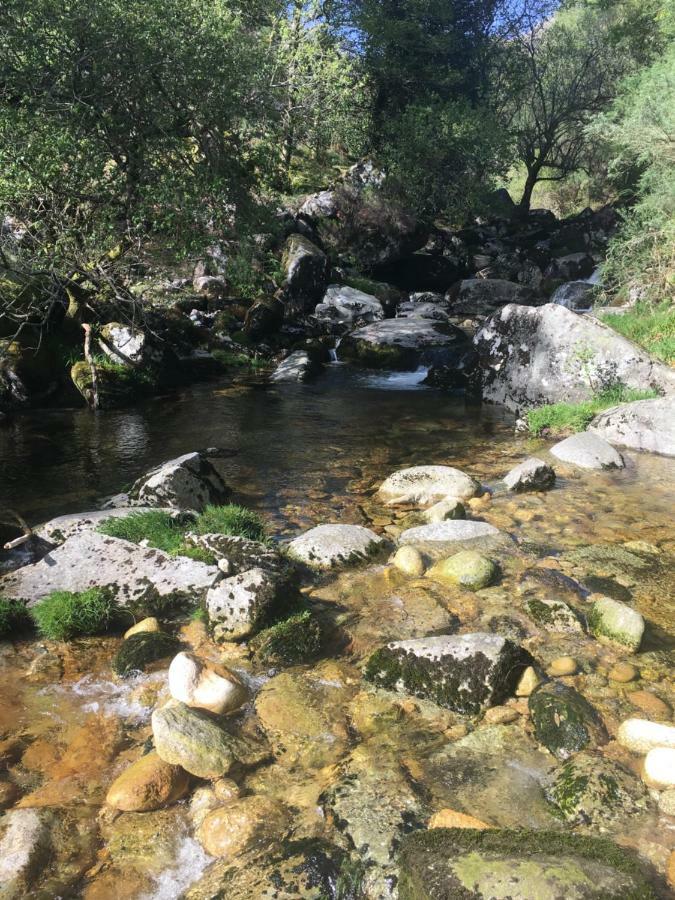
pixel 564 721
pixel 296 639
pixel 139 650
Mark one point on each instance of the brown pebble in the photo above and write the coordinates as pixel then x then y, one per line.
pixel 623 673
pixel 670 869
pixel 449 818
pixel 501 715
pixel 650 704
pixel 563 665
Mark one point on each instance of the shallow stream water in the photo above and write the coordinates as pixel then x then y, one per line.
pixel 305 455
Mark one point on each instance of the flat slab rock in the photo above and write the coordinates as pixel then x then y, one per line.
pixel 588 451
pixel 137 575
pixel 425 485
pixel 61 528
pixel 296 367
pixel 465 673
pixel 411 332
pixel 643 425
pixel 331 545
pixel 450 530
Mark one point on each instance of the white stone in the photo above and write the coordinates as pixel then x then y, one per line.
pixel 330 545
pixel 344 305
pixel 451 530
pixel 22 849
pixel 296 367
pixel 425 485
pixel 196 684
pixel 659 768
pixel 588 451
pixel 641 735
pixel 531 475
pixel 451 508
pixel 409 561
pixel 237 605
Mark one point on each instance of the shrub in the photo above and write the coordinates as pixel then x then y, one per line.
pixel 14 617
pixel 563 417
pixel 63 615
pixel 231 519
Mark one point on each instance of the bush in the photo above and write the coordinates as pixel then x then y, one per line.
pixel 564 417
pixel 14 617
pixel 231 519
pixel 63 615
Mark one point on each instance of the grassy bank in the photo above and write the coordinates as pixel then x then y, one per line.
pixel 651 326
pixel 561 418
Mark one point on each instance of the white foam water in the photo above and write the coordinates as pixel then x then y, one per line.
pixel 114 698
pixel 190 863
pixel 397 381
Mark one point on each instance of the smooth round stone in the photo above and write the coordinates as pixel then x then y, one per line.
pixel 409 561
pixel 448 818
pixel 667 802
pixel 529 680
pixel 650 704
pixel 143 627
pixel 563 665
pixel 623 673
pixel 241 825
pixel 148 784
pixel 659 768
pixel 196 684
pixel 467 568
pixel 641 735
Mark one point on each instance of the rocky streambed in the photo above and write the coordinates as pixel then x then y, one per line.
pixel 440 682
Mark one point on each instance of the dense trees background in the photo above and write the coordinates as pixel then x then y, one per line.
pixel 135 124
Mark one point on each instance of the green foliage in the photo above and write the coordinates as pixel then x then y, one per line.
pixel 231 519
pixel 229 359
pixel 650 325
pixel 63 615
pixel 14 617
pixel 160 529
pixel 570 417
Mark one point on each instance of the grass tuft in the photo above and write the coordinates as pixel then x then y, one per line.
pixel 559 418
pixel 650 325
pixel 63 615
pixel 14 617
pixel 233 520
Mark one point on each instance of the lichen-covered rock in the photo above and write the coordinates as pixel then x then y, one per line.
pixel 593 790
pixel 408 341
pixel 244 824
pixel 486 864
pixel 425 485
pixel 139 650
pixel 140 578
pixel 128 345
pixel 237 606
pixel 237 554
pixel 192 739
pixel 531 475
pixel 61 528
pixel 465 673
pixel 642 425
pixel 296 639
pixel 326 546
pixel 305 268
pixel 187 482
pixel 616 623
pixel 552 615
pixel 116 385
pixel 588 451
pixel 147 784
pixel 344 306
pixel 467 569
pixel 564 721
pixel 203 686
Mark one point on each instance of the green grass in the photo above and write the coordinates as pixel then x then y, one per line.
pixel 650 325
pixel 239 360
pixel 14 617
pixel 63 615
pixel 166 532
pixel 570 417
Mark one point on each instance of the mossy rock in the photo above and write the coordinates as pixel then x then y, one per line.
pixel 564 721
pixel 387 294
pixel 117 385
pixel 552 615
pixel 295 640
pixel 467 569
pixel 466 864
pixel 139 650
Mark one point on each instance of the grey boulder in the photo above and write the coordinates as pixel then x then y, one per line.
pixel 61 528
pixel 588 451
pixel 305 267
pixel 326 546
pixel 531 475
pixel 483 296
pixel 187 482
pixel 642 425
pixel 344 306
pixel 447 531
pixel 426 485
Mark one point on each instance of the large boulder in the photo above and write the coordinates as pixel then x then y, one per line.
pixel 643 425
pixel 426 485
pixel 264 318
pixel 588 451
pixel 406 342
pixel 465 673
pixel 490 863
pixel 140 578
pixel 305 267
pixel 484 296
pixel 187 482
pixel 344 306
pixel 529 357
pixel 128 345
pixel 61 528
pixel 326 546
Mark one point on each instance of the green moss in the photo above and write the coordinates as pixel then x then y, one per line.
pixel 384 292
pixel 231 360
pixel 63 615
pixel 564 721
pixel 14 618
pixel 117 384
pixel 139 650
pixel 295 640
pixel 568 790
pixel 569 417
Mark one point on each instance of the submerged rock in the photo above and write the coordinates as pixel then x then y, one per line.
pixel 467 568
pixel 409 561
pixel 588 451
pixel 531 475
pixel 244 824
pixel 190 738
pixel 451 530
pixel 139 650
pixel 187 482
pixel 199 685
pixel 564 721
pixel 425 485
pixel 465 673
pixel 552 615
pixel 331 545
pixel 296 639
pixel 616 623
pixel 485 864
pixel 148 784
pixel 24 846
pixel 643 425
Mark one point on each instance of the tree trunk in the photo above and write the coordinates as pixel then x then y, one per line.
pixel 530 181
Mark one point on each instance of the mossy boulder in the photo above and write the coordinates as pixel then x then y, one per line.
pixel 465 673
pixel 616 623
pixel 470 864
pixel 117 385
pixel 564 721
pixel 377 356
pixel 552 615
pixel 467 569
pixel 294 640
pixel 593 790
pixel 139 650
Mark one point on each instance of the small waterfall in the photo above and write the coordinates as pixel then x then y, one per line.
pixel 397 381
pixel 333 352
